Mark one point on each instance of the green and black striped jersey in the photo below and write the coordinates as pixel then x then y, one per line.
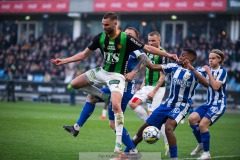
pixel 115 51
pixel 152 77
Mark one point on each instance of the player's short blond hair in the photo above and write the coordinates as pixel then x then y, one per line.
pixel 219 54
pixel 154 33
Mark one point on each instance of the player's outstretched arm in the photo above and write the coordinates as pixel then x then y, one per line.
pixel 79 56
pixel 156 51
pixel 154 67
pixel 142 62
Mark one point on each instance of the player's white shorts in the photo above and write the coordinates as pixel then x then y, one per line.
pixel 115 81
pixel 157 99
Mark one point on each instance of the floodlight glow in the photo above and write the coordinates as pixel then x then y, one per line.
pixel 27 17
pixel 173 17
pixel 144 23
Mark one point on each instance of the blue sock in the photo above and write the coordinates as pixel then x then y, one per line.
pixel 173 151
pixel 127 149
pixel 127 140
pixel 86 113
pixel 196 132
pixel 206 140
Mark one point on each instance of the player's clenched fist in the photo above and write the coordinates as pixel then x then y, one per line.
pixel 173 57
pixel 57 61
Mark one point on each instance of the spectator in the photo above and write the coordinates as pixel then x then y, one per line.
pixel 32 58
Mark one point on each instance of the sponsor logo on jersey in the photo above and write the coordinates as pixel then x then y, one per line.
pixel 111 58
pixel 181 82
pixel 136 42
pixel 112 48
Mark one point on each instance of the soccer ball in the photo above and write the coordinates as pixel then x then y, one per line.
pixel 151 134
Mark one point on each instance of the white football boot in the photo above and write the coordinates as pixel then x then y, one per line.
pixel 198 149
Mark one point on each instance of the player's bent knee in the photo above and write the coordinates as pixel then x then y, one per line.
pixel 169 129
pixel 79 82
pixel 92 99
pixel 74 84
pixel 133 103
pixel 132 106
pixel 193 119
pixel 202 127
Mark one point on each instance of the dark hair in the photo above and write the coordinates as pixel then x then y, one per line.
pixel 153 33
pixel 191 51
pixel 135 30
pixel 111 16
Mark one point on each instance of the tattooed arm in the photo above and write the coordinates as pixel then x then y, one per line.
pixel 142 62
pixel 154 67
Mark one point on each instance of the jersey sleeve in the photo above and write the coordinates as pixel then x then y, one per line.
pixel 137 53
pixel 167 68
pixel 202 71
pixel 164 60
pixel 222 76
pixel 133 43
pixel 95 42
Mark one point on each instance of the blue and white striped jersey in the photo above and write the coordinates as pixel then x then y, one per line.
pixel 217 97
pixel 131 64
pixel 183 84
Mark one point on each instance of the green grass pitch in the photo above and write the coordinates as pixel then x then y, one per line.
pixel 34 131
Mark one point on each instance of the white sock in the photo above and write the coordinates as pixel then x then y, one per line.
pixel 104 112
pixel 76 127
pixel 141 112
pixel 163 134
pixel 119 121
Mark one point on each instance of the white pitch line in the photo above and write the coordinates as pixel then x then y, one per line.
pixel 215 157
pixel 230 156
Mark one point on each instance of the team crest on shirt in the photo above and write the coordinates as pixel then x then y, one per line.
pixel 214 109
pixel 215 76
pixel 187 76
pixel 119 46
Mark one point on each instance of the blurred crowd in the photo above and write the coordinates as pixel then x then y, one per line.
pixel 31 60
